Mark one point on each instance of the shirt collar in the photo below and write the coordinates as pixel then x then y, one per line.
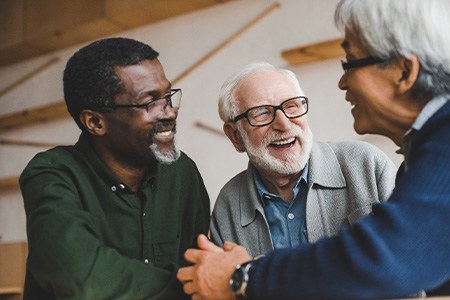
pixel 425 114
pixel 262 190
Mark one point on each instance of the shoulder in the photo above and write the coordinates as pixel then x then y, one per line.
pixel 353 151
pixel 234 184
pixel 55 157
pixel 232 190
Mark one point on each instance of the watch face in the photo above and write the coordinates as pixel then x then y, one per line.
pixel 236 280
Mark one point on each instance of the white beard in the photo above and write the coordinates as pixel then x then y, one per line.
pixel 291 163
pixel 166 157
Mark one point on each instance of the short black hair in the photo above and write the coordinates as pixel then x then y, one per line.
pixel 89 77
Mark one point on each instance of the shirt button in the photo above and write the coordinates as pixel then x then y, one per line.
pixel 113 188
pixel 291 216
pixel 122 186
pixel 146 261
pixel 143 214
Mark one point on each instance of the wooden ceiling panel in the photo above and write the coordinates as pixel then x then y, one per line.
pixel 140 12
pixel 31 28
pixel 11 23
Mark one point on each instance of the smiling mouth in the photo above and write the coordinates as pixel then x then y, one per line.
pixel 164 133
pixel 283 143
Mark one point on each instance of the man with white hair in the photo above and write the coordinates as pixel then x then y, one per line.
pixel 294 191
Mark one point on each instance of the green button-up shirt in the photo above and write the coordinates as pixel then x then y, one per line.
pixel 91 237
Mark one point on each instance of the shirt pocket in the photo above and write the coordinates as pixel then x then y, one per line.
pixel 359 213
pixel 166 253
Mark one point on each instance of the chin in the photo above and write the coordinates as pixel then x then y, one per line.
pixel 165 156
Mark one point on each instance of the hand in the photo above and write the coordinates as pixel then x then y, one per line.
pixel 209 276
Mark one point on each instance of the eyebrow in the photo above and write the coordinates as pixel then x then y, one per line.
pixel 154 93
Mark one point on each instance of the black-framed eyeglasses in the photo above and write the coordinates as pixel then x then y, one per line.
pixel 172 99
pixel 265 114
pixel 363 62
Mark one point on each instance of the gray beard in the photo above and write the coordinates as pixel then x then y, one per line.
pixel 290 164
pixel 167 157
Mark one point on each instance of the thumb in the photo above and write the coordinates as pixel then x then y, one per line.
pixel 204 244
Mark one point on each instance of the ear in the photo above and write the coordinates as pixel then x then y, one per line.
pixel 93 121
pixel 235 136
pixel 410 68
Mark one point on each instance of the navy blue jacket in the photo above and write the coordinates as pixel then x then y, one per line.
pixel 402 248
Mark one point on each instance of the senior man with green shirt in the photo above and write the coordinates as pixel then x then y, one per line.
pixel 111 216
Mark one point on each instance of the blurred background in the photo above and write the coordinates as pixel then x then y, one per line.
pixel 201 42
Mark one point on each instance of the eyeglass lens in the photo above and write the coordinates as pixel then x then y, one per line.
pixel 173 100
pixel 264 115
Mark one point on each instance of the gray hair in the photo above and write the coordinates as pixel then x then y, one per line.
pixel 227 99
pixel 399 28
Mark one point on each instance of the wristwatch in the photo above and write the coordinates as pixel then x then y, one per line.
pixel 239 280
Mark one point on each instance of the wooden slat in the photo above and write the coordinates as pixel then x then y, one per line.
pixel 9 183
pixel 34 115
pixel 209 128
pixel 13 258
pixel 29 76
pixel 230 39
pixel 28 143
pixel 10 290
pixel 314 52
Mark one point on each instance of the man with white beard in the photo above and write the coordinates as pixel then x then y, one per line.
pixel 295 190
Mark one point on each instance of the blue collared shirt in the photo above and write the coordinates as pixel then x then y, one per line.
pixel 287 222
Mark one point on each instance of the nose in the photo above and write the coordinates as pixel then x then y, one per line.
pixel 168 112
pixel 342 84
pixel 281 122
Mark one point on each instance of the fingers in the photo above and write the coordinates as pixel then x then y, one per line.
pixel 204 244
pixel 193 255
pixel 227 246
pixel 186 274
pixel 189 287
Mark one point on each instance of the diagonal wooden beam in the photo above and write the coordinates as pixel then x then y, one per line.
pixel 29 76
pixel 210 128
pixel 314 52
pixel 34 115
pixel 28 143
pixel 9 183
pixel 225 43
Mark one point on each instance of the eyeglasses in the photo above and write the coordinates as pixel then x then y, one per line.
pixel 265 114
pixel 173 99
pixel 363 62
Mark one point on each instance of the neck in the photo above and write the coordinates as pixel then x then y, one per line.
pixel 282 185
pixel 129 172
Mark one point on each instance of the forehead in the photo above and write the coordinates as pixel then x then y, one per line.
pixel 265 87
pixel 147 75
pixel 352 45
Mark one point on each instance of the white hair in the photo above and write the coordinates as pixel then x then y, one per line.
pixel 227 101
pixel 400 28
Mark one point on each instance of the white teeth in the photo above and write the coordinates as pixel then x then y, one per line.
pixel 164 133
pixel 281 143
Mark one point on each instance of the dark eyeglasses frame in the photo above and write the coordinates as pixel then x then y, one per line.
pixel 362 62
pixel 168 102
pixel 275 108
